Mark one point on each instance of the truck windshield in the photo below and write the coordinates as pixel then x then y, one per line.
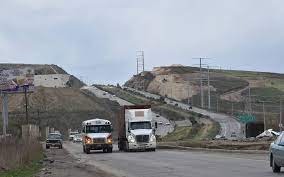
pixel 98 129
pixel 140 125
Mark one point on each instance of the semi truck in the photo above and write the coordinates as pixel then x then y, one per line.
pixel 136 129
pixel 97 135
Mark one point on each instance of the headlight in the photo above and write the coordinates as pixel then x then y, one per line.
pixel 131 139
pixel 153 138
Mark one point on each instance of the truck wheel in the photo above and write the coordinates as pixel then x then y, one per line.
pixel 88 151
pixel 126 147
pixel 104 150
pixel 153 149
pixel 109 150
pixel 275 167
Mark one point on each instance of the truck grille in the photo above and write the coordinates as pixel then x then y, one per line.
pixel 53 141
pixel 99 140
pixel 142 138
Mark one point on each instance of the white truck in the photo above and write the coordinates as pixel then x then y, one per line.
pixel 136 129
pixel 97 135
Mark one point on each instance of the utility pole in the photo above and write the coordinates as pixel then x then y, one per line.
pixel 26 105
pixel 280 117
pixel 250 107
pixel 4 112
pixel 209 91
pixel 188 93
pixel 201 81
pixel 201 84
pixel 217 104
pixel 264 118
pixel 232 108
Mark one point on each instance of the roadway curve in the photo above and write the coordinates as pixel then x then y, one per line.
pixel 162 130
pixel 174 163
pixel 228 124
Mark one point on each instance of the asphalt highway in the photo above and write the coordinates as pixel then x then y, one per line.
pixel 175 163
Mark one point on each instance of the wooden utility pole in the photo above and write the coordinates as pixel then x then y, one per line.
pixel 209 90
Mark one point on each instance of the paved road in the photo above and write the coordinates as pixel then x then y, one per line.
pixel 164 126
pixel 175 163
pixel 228 124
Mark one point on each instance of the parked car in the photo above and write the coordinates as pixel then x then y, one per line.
pixel 77 138
pixel 54 140
pixel 277 154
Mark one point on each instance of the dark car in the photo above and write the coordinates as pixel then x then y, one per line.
pixel 54 140
pixel 277 154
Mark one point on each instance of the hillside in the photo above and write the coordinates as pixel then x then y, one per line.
pixel 229 89
pixel 61 108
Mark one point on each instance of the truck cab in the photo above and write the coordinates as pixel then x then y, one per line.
pixel 97 135
pixel 136 129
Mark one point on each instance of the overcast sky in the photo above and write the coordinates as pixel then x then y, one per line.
pixel 98 40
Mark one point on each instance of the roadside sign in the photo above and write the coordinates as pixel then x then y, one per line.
pixel 17 80
pixel 247 118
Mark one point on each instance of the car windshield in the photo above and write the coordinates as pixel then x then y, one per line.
pixel 140 125
pixel 54 136
pixel 98 129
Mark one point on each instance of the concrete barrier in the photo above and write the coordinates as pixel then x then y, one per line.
pixel 30 131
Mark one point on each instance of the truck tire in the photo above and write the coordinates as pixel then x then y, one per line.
pixel 88 151
pixel 126 147
pixel 105 150
pixel 275 167
pixel 109 150
pixel 60 147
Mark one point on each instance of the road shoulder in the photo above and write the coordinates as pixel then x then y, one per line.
pixel 59 163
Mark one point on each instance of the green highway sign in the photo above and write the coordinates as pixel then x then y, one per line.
pixel 247 118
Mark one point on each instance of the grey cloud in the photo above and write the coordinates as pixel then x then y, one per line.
pixel 98 39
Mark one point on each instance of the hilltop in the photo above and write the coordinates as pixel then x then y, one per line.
pixel 229 89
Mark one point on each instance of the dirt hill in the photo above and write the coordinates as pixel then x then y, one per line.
pixel 229 89
pixel 61 108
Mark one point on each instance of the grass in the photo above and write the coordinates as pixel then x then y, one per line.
pixel 24 171
pixel 180 133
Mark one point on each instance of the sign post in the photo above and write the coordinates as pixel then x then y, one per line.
pixel 11 82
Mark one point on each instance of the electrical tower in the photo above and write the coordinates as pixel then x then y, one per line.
pixel 140 61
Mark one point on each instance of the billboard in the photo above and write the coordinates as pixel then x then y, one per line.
pixel 17 80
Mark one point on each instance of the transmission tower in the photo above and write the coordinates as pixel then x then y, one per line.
pixel 140 61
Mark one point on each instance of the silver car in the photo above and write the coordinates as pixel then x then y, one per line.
pixel 277 154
